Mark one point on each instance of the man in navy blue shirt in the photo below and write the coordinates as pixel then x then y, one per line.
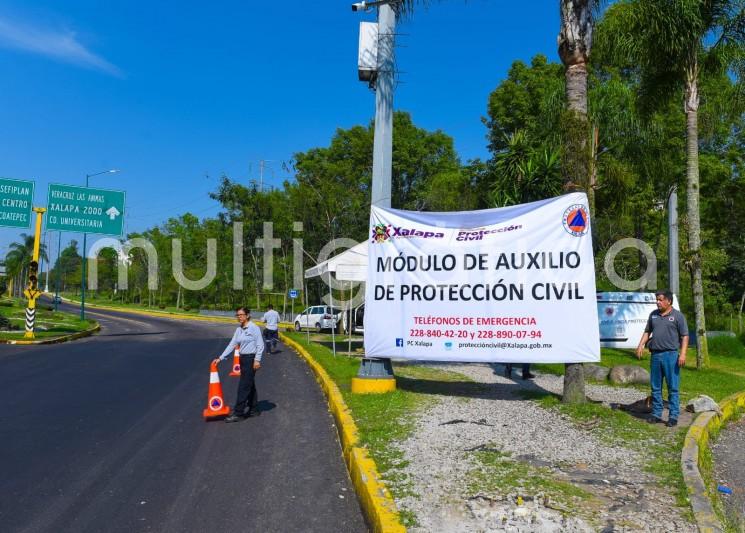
pixel 665 334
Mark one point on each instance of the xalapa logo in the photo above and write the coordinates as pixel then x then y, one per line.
pixel 381 232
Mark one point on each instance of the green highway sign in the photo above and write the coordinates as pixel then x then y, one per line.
pixel 16 197
pixel 84 209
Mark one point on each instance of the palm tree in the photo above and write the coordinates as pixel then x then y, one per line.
pixel 18 258
pixel 575 43
pixel 672 43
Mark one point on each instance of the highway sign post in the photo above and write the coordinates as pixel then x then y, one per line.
pixel 84 209
pixel 16 197
pixel 72 208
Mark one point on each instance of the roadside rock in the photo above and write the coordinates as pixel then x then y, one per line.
pixel 625 374
pixel 702 403
pixel 597 372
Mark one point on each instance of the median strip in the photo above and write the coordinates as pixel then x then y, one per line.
pixel 56 340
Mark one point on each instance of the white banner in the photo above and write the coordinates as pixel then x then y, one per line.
pixel 515 284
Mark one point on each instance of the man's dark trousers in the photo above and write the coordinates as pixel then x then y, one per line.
pixel 246 400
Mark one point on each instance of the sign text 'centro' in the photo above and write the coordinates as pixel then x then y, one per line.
pixel 84 209
pixel 16 197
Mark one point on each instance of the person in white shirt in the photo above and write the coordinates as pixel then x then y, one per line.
pixel 271 330
pixel 248 337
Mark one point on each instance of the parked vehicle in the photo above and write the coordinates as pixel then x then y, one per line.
pixel 354 318
pixel 318 317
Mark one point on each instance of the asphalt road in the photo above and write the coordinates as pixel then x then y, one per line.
pixel 106 434
pixel 729 470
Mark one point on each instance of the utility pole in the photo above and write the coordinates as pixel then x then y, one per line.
pixel 261 175
pixel 383 142
pixel 376 375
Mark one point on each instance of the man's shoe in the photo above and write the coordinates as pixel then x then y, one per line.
pixel 654 420
pixel 253 413
pixel 528 376
pixel 672 423
pixel 233 418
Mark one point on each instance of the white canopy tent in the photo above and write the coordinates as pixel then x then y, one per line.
pixel 350 265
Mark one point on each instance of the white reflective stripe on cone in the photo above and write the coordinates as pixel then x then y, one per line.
pixel 214 377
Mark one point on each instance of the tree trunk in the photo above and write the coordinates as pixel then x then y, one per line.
pixel 739 315
pixel 694 216
pixel 575 41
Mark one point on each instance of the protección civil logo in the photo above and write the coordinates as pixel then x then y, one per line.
pixel 576 220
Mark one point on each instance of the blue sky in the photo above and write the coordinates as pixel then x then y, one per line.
pixel 177 93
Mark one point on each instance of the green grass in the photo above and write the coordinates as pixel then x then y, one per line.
pixel 724 376
pixel 49 324
pixel 383 419
pixel 93 299
pixel 496 473
pixel 386 418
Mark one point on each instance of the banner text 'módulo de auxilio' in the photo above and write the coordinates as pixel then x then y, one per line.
pixel 512 284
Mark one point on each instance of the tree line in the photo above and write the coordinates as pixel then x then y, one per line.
pixel 656 107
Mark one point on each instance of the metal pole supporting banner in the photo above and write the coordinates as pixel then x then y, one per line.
pixel 376 375
pixel 307 329
pixel 672 242
pixel 333 322
pixel 383 140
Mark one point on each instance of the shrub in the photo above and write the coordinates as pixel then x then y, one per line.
pixel 162 306
pixel 187 308
pixel 727 347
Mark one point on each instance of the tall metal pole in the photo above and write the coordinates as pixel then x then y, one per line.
pixel 85 266
pixel 376 371
pixel 383 142
pixel 672 242
pixel 59 272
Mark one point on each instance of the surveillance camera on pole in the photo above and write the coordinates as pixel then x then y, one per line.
pixel 365 6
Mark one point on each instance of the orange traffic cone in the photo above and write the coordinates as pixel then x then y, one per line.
pixel 236 372
pixel 215 404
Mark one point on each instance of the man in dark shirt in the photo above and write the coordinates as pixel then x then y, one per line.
pixel 666 332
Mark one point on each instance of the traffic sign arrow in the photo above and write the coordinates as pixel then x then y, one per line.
pixel 113 212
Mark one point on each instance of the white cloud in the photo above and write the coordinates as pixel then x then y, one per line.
pixel 59 45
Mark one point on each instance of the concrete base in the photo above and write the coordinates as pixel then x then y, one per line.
pixel 373 385
pixel 375 376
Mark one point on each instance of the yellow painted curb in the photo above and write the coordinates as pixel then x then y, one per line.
pixel 373 385
pixel 696 442
pixel 377 504
pixel 72 336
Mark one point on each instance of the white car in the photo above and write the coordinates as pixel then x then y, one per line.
pixel 318 317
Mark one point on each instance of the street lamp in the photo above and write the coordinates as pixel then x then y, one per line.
pixel 85 235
